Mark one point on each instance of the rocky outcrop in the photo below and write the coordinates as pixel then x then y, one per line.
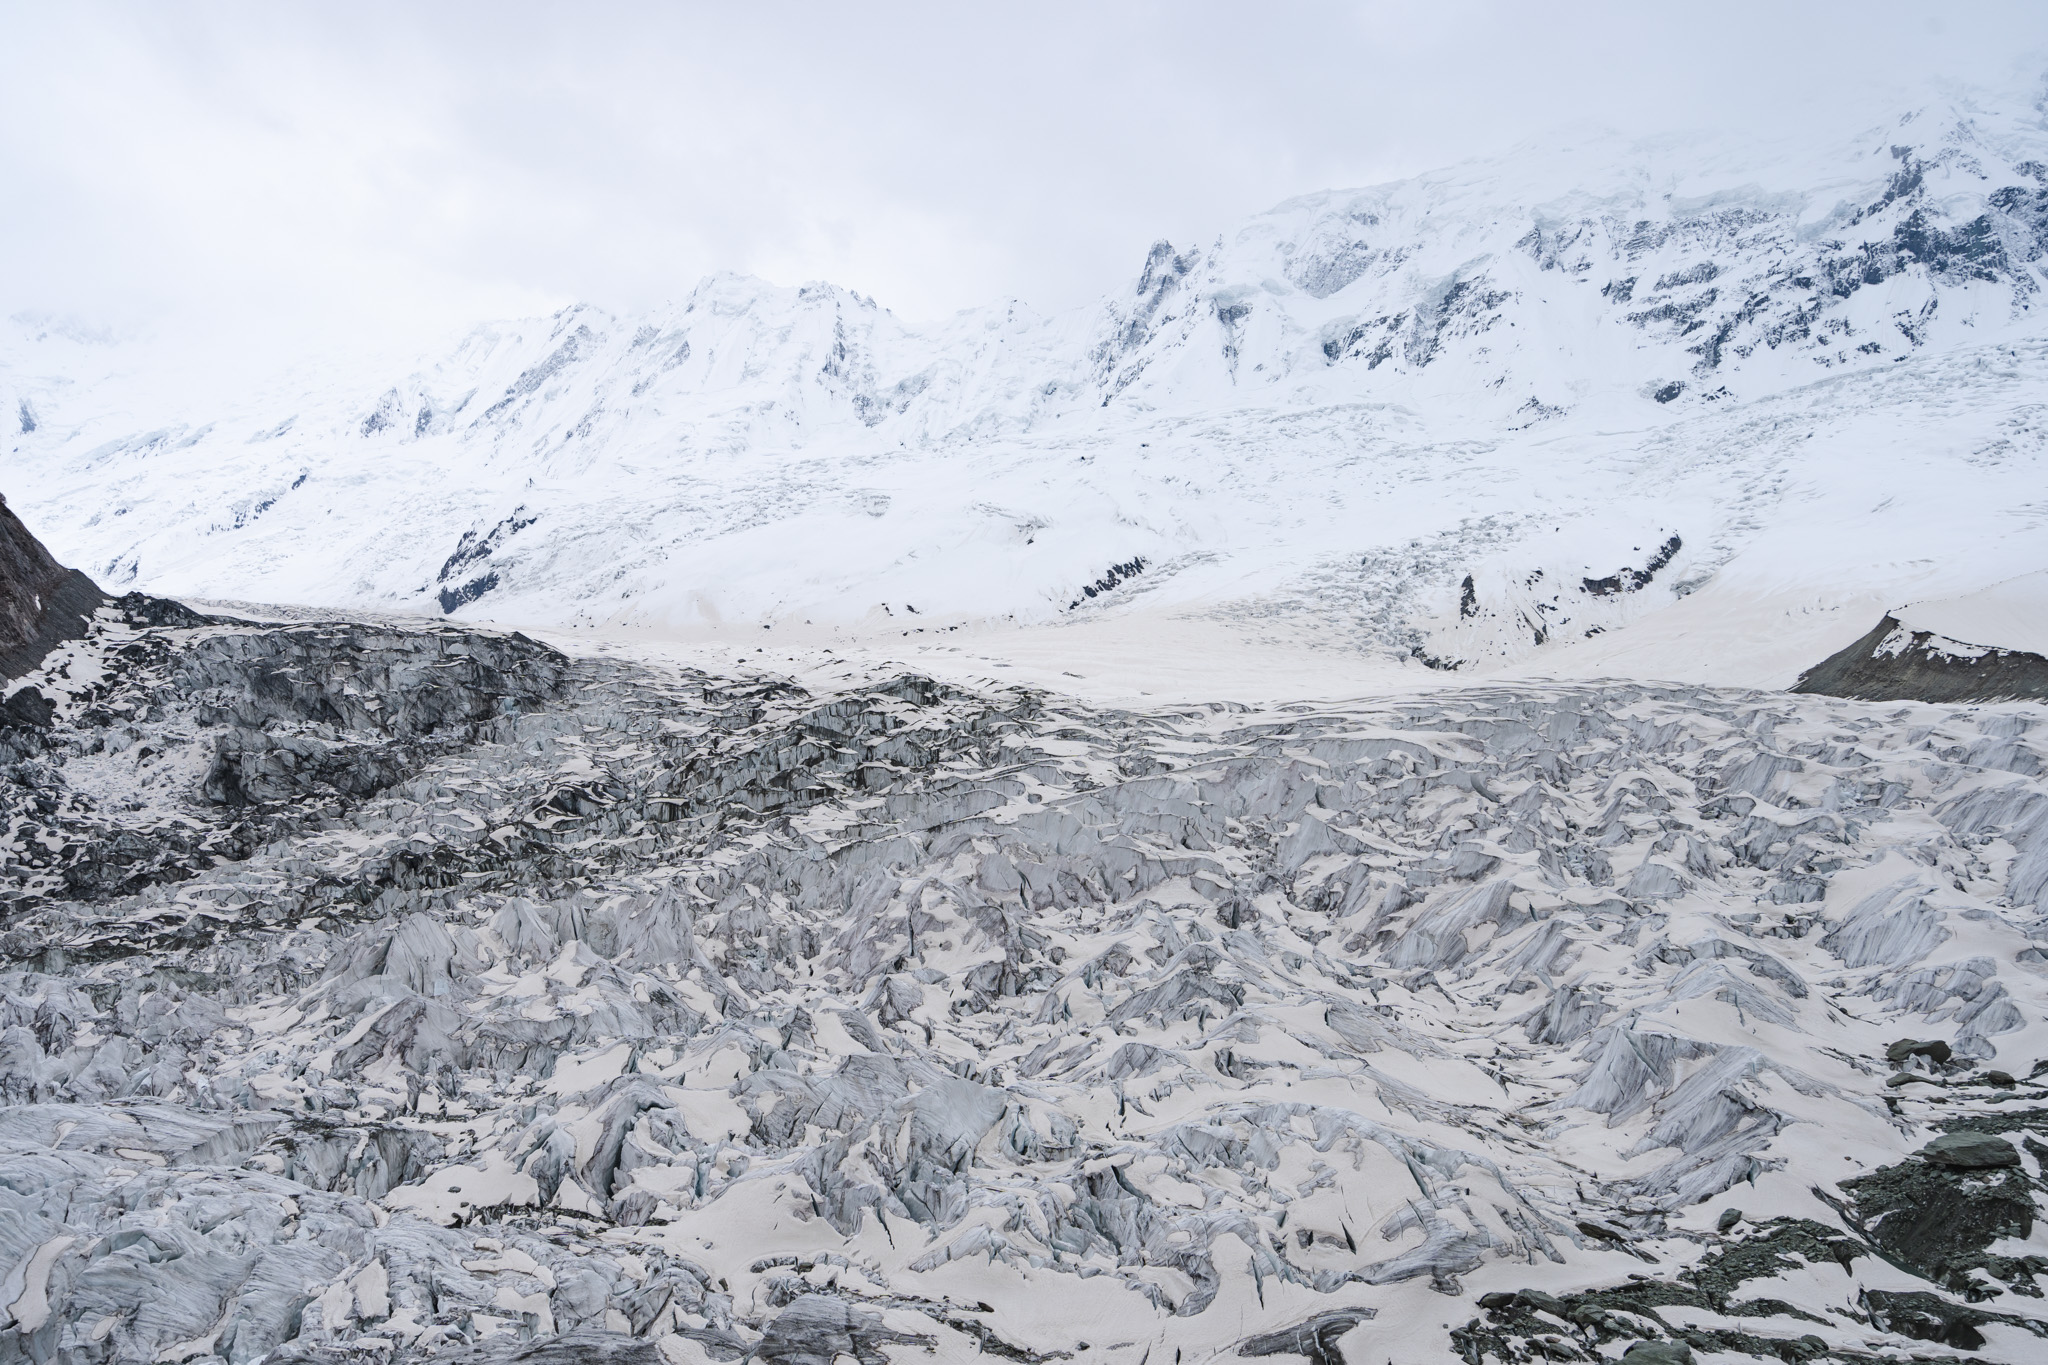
pixel 1897 663
pixel 42 603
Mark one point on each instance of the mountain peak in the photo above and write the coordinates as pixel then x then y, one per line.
pixel 1397 389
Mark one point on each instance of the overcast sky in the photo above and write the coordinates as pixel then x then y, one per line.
pixel 395 171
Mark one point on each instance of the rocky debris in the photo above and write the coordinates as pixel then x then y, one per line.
pixel 250 720
pixel 42 603
pixel 371 994
pixel 1940 1214
pixel 1896 663
pixel 1530 1325
pixel 1928 1317
pixel 817 1329
pixel 583 1346
pixel 321 709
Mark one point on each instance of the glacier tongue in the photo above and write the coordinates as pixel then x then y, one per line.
pixel 375 993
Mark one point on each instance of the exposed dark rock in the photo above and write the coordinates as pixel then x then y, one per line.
pixel 1893 663
pixel 140 609
pixel 463 595
pixel 1939 1220
pixel 1970 1152
pixel 1116 574
pixel 1934 1050
pixel 473 547
pixel 817 1330
pixel 1658 1353
pixel 42 603
pixel 1634 580
pixel 1524 1326
pixel 1929 1317
pixel 27 708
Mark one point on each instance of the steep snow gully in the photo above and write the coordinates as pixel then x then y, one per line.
pixel 376 994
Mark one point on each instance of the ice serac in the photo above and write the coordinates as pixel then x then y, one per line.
pixel 42 603
pixel 383 994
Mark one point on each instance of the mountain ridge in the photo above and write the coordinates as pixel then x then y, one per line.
pixel 771 454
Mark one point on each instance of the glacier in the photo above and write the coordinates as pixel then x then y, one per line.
pixel 396 992
pixel 1341 804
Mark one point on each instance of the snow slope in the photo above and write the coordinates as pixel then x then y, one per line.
pixel 2008 615
pixel 1582 408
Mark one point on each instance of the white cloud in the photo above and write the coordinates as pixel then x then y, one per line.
pixel 392 171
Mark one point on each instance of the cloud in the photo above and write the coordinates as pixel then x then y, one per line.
pixel 394 171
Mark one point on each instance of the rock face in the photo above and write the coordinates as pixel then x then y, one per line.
pixel 381 995
pixel 1897 663
pixel 42 603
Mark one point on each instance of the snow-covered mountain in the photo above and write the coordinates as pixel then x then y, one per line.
pixel 1502 412
pixel 378 991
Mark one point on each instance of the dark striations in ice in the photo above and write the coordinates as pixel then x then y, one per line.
pixel 1316 1339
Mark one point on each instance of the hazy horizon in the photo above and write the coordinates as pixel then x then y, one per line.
pixel 384 176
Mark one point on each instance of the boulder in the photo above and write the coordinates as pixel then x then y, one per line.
pixel 1970 1151
pixel 1658 1353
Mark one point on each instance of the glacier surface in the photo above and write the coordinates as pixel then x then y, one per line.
pixel 847 918
pixel 374 994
